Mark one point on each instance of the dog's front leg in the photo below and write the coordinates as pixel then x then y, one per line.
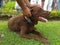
pixel 24 34
pixel 40 37
pixel 36 33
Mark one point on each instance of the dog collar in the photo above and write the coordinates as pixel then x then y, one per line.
pixel 28 20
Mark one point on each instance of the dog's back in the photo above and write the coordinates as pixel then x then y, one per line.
pixel 14 23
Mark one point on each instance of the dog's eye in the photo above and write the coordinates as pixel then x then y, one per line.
pixel 40 10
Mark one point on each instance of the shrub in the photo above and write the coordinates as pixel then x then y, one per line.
pixel 10 5
pixel 8 9
pixel 55 14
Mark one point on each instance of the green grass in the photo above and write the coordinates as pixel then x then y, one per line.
pixel 50 30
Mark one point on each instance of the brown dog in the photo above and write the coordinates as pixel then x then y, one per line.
pixel 20 25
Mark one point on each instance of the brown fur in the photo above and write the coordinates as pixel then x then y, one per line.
pixel 20 25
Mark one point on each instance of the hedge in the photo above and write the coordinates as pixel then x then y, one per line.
pixel 8 9
pixel 55 14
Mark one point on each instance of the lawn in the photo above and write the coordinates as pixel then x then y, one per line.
pixel 50 30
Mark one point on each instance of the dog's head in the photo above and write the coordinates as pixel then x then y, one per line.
pixel 39 14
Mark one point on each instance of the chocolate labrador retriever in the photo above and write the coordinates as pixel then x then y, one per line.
pixel 20 24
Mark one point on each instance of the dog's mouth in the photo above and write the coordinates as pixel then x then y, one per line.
pixel 42 19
